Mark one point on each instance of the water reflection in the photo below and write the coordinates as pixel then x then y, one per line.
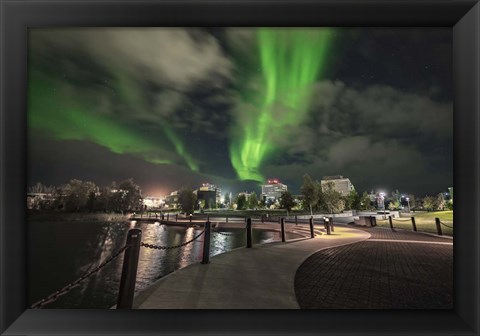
pixel 61 252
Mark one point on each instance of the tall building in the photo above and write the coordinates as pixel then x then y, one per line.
pixel 273 190
pixel 210 193
pixel 340 184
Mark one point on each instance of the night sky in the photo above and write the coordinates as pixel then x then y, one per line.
pixel 175 107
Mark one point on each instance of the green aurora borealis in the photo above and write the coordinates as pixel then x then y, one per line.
pixel 67 115
pixel 291 61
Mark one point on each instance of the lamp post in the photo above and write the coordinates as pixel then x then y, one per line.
pixel 382 196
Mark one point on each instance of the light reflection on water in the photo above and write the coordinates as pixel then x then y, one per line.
pixel 60 252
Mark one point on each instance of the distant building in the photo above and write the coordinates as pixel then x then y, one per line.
pixel 151 202
pixel 210 193
pixel 171 201
pixel 273 190
pixel 340 184
pixel 36 200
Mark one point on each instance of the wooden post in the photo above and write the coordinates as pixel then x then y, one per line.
pixel 206 244
pixel 390 222
pixel 249 232
pixel 227 220
pixel 282 226
pixel 327 226
pixel 129 270
pixel 190 218
pixel 439 226
pixel 312 233
pixel 263 221
pixel 168 216
pixel 296 220
pixel 176 217
pixel 331 224
pixel 414 225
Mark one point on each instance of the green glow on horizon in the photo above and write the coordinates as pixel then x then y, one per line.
pixel 291 61
pixel 66 116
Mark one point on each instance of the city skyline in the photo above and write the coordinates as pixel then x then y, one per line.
pixel 177 107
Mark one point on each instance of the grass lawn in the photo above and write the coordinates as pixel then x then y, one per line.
pixel 425 221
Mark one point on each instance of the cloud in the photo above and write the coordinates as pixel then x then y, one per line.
pixel 170 56
pixel 381 110
pixel 377 131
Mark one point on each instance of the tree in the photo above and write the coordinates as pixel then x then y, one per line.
pixel 40 188
pixel 440 202
pixel 74 195
pixel 332 200
pixel 393 204
pixel 311 191
pixel 241 202
pixel 365 202
pixel 252 201
pixel 429 203
pixel 286 201
pixel 187 200
pixel 352 201
pixel 130 196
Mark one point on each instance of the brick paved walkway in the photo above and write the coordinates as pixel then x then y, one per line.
pixel 391 270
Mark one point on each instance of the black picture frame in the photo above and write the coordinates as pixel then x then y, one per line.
pixel 18 15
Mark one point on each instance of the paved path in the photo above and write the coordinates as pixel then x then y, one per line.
pixel 394 269
pixel 259 277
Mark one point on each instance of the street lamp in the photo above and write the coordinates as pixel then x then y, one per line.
pixel 382 196
pixel 408 202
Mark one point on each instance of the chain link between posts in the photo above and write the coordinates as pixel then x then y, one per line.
pixel 158 247
pixel 450 227
pixel 66 289
pixel 402 220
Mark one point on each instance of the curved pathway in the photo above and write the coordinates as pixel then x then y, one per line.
pixel 258 277
pixel 394 269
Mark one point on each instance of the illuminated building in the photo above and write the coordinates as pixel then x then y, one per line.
pixel 152 202
pixel 339 183
pixel 171 201
pixel 273 190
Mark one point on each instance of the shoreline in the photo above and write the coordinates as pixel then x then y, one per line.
pixel 76 217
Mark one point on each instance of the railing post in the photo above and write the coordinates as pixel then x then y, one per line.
pixel 190 218
pixel 327 226
pixel 282 226
pixel 390 222
pixel 296 220
pixel 227 220
pixel 263 221
pixel 414 225
pixel 331 224
pixel 176 217
pixel 206 244
pixel 129 270
pixel 249 232
pixel 439 227
pixel 168 216
pixel 312 233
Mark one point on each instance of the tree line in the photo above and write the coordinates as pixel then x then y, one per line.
pixel 85 196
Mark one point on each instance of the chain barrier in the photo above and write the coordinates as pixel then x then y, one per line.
pixel 66 289
pixel 450 227
pixel 402 220
pixel 157 247
pixel 381 220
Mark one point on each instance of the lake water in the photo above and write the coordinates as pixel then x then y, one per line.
pixel 61 252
